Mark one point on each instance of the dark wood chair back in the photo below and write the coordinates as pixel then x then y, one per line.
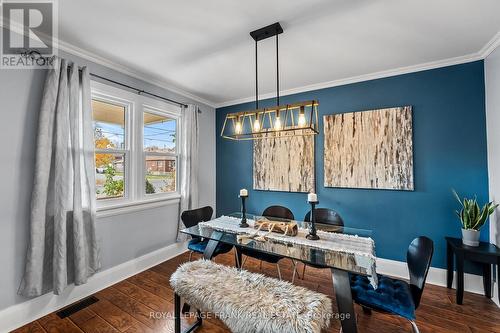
pixel 190 218
pixel 279 212
pixel 325 216
pixel 419 258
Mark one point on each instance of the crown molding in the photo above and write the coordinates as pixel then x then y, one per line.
pixel 485 51
pixel 361 78
pixel 490 46
pixel 95 58
pixel 116 66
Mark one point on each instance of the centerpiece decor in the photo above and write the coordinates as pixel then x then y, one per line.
pixel 294 119
pixel 473 218
pixel 243 196
pixel 312 198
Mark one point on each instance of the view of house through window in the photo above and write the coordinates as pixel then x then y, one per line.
pixel 110 149
pixel 160 153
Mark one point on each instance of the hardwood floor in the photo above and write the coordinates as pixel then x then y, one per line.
pixel 142 303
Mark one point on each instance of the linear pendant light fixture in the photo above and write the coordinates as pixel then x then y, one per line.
pixel 299 118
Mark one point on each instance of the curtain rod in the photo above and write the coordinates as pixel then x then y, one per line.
pixel 34 54
pixel 139 91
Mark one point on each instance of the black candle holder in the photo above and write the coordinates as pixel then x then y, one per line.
pixel 243 223
pixel 312 230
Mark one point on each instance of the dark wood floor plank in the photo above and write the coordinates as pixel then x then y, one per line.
pixel 98 325
pixel 134 308
pixel 118 318
pixel 33 327
pixel 153 301
pixel 53 324
pixel 161 290
pixel 82 316
pixel 471 320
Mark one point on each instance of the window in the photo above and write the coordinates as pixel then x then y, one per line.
pixel 160 152
pixel 136 142
pixel 110 148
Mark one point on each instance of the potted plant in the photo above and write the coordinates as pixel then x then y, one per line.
pixel 473 218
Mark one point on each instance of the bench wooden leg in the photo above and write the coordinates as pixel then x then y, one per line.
pixel 177 317
pixel 177 313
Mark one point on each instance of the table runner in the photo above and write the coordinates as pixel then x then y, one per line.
pixel 349 252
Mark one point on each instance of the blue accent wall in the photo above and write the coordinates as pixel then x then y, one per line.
pixel 449 129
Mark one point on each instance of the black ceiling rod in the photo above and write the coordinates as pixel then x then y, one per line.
pixel 271 30
pixel 256 78
pixel 277 73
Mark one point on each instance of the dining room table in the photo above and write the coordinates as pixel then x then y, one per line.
pixel 343 250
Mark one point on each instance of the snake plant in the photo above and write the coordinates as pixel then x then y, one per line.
pixel 471 216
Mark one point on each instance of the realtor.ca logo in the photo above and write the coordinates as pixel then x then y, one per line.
pixel 28 34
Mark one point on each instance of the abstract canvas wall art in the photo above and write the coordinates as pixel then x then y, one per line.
pixel 284 164
pixel 369 149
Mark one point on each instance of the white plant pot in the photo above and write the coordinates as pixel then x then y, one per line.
pixel 470 237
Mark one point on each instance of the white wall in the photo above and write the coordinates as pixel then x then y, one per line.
pixel 122 237
pixel 492 77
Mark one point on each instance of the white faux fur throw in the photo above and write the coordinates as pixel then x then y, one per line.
pixel 249 302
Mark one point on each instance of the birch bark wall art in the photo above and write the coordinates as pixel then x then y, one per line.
pixel 369 149
pixel 284 164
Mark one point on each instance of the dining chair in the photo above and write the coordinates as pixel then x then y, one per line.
pixel 191 218
pixel 323 216
pixel 277 212
pixel 393 296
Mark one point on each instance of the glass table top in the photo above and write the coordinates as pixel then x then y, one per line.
pixel 339 247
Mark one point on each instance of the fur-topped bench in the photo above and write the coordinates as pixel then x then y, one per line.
pixel 248 302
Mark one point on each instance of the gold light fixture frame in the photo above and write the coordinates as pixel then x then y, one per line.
pixel 290 122
pixel 240 130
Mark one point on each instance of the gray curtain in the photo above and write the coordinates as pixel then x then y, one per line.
pixel 189 163
pixel 62 244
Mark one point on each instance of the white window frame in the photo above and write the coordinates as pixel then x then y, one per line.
pixel 135 197
pixel 126 151
pixel 148 108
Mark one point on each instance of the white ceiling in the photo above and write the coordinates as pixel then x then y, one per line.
pixel 203 47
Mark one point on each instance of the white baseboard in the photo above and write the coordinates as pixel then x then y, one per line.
pixel 23 313
pixel 437 276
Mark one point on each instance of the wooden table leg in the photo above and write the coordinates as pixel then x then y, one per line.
pixel 460 277
pixel 449 266
pixel 344 300
pixel 487 280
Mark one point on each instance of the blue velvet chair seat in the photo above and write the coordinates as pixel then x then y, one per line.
pixel 391 296
pixel 198 245
pixel 270 258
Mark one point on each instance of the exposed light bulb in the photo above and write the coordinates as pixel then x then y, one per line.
pixel 238 128
pixel 256 125
pixel 277 123
pixel 302 120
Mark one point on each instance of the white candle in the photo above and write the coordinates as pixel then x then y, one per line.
pixel 243 192
pixel 312 197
